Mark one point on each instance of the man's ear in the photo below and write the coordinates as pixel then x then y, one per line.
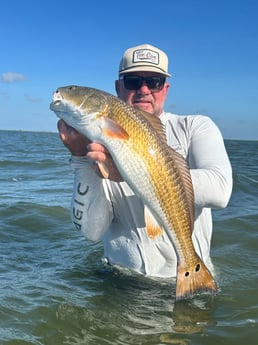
pixel 117 86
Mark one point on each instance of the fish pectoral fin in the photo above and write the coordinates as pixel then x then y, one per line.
pixel 113 130
pixel 153 228
pixel 103 169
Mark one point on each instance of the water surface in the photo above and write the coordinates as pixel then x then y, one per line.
pixel 54 289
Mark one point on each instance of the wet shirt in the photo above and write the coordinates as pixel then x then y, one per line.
pixel 111 212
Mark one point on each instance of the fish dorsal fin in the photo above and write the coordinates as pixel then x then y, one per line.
pixel 186 179
pixel 153 228
pixel 156 124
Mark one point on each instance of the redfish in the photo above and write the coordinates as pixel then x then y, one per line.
pixel 154 171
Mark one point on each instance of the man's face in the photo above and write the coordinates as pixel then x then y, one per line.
pixel 148 98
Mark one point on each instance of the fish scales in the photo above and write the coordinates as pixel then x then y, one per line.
pixel 157 157
pixel 155 172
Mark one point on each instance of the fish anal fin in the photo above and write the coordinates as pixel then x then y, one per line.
pixel 113 130
pixel 103 169
pixel 153 228
pixel 193 280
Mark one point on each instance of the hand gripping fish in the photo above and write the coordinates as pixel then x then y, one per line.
pixel 155 172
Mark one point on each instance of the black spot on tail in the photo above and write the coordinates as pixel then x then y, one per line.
pixel 197 268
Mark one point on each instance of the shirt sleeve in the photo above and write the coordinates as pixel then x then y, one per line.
pixel 91 211
pixel 210 167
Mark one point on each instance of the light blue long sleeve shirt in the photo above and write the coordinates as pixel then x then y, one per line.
pixel 111 212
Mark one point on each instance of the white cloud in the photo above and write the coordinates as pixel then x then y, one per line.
pixel 11 77
pixel 33 99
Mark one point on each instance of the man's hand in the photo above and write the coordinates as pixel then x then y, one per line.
pixel 100 155
pixel 79 145
pixel 74 141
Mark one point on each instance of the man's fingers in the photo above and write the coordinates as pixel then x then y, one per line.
pixel 97 156
pixel 97 147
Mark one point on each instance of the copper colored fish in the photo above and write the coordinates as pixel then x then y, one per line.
pixel 154 171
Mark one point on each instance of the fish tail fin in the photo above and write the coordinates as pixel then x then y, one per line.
pixel 195 279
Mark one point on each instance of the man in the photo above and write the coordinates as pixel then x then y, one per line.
pixel 108 210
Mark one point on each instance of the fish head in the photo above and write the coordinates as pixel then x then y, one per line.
pixel 79 106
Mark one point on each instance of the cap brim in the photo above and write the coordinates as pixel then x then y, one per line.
pixel 144 69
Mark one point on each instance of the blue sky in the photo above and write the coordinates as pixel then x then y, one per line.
pixel 212 48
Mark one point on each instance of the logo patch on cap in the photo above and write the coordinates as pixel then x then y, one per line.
pixel 146 55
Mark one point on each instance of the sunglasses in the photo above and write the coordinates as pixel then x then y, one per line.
pixel 134 82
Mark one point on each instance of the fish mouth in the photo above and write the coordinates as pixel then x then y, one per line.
pixel 57 97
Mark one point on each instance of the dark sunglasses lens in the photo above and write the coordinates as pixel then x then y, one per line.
pixel 132 82
pixel 155 83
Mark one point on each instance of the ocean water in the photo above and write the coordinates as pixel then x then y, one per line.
pixel 54 289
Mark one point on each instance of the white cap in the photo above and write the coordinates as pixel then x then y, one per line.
pixel 144 57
